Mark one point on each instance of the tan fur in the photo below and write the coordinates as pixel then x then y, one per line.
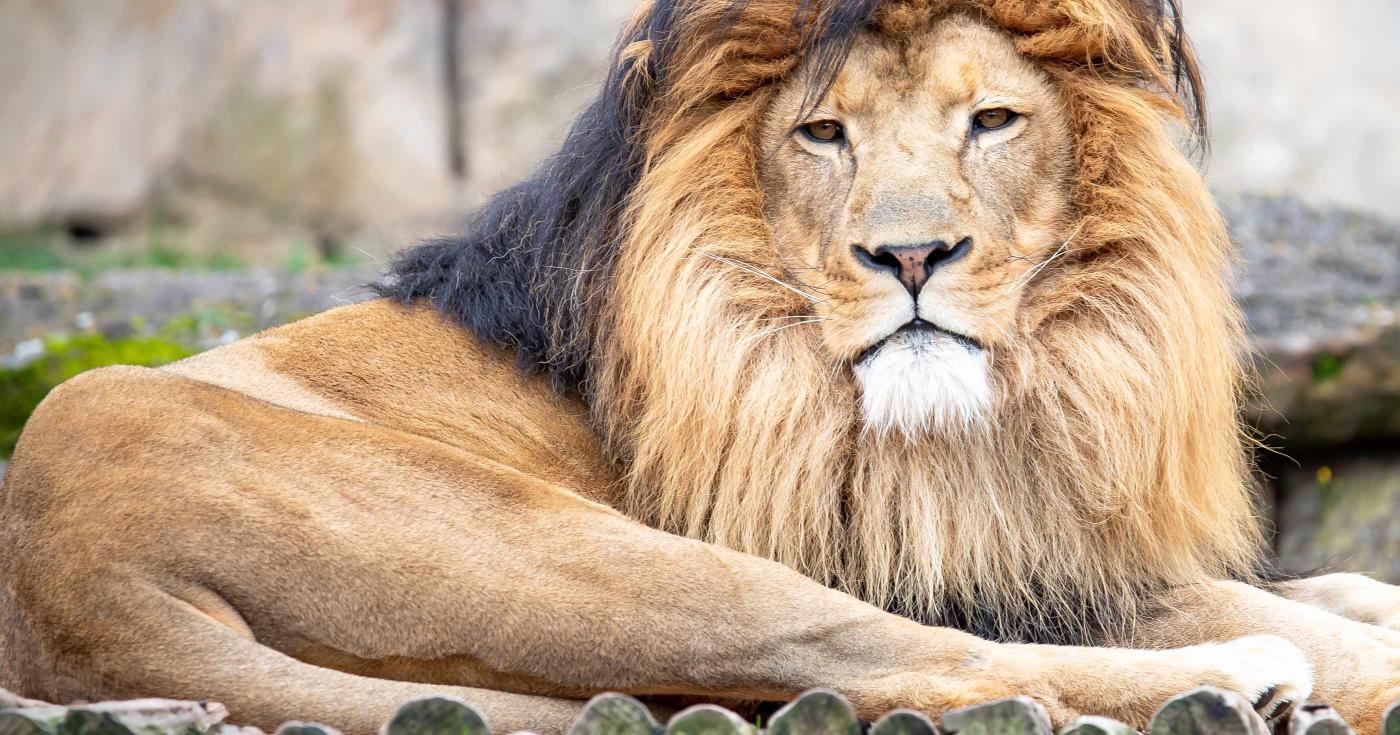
pixel 326 519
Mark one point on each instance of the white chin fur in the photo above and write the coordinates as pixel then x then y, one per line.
pixel 922 380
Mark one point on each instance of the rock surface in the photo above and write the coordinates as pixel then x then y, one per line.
pixel 366 119
pixel 1321 291
pixel 326 113
pixel 1341 514
pixel 1302 95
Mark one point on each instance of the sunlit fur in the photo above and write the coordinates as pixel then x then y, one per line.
pixel 1110 464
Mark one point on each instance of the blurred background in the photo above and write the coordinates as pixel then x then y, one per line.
pixel 175 174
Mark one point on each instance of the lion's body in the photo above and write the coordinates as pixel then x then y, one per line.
pixel 688 490
pixel 177 505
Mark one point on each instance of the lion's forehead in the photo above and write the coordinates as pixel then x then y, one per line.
pixel 954 60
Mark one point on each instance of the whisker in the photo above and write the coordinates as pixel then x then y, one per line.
pixel 794 316
pixel 778 328
pixel 1042 265
pixel 762 274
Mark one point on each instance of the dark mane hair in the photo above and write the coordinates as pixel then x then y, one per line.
pixel 531 271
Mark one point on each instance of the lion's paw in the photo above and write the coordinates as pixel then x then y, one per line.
pixel 1268 670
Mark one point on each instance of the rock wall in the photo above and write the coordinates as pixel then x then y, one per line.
pixel 1321 291
pixel 318 112
pixel 386 119
pixel 1302 95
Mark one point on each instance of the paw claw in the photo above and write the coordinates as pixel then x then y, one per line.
pixel 1266 699
pixel 1267 670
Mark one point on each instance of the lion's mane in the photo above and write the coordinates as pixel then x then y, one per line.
pixel 1114 465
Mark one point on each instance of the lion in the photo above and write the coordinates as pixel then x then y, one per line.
pixel 885 346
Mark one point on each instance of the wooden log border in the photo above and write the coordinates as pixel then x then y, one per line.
pixel 1204 711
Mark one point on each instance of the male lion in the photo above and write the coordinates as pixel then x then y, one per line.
pixel 883 346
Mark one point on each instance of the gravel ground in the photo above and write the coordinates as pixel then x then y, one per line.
pixel 34 305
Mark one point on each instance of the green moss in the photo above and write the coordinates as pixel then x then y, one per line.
pixel 162 249
pixel 1327 368
pixel 339 258
pixel 165 257
pixel 29 251
pixel 299 258
pixel 21 389
pixel 45 251
pixel 156 247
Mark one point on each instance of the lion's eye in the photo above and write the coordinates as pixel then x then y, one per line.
pixel 824 131
pixel 992 119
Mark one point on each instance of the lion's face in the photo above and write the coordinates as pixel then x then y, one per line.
pixel 914 202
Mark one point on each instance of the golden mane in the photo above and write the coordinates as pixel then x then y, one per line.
pixel 636 268
pixel 1115 465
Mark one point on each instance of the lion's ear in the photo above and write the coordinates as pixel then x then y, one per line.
pixel 1143 40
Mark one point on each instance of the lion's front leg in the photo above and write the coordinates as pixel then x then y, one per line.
pixel 1130 685
pixel 1353 596
pixel 1356 666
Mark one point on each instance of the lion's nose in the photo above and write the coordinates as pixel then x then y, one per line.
pixel 912 264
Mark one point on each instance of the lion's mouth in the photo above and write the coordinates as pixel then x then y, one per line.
pixel 918 327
